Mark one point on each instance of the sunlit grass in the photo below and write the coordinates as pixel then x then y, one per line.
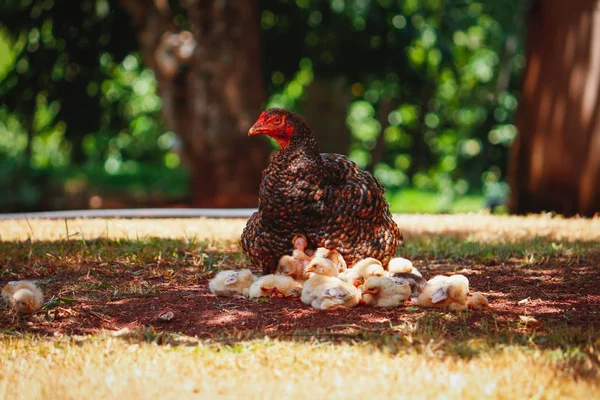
pixel 115 368
pixel 436 355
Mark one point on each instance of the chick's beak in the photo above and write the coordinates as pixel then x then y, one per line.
pixel 310 268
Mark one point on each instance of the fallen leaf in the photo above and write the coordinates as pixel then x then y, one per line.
pixel 530 321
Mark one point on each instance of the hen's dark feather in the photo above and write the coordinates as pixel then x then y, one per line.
pixel 325 197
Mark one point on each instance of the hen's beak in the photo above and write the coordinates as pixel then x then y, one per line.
pixel 256 129
pixel 259 127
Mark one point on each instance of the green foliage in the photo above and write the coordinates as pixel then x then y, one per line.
pixel 432 87
pixel 446 68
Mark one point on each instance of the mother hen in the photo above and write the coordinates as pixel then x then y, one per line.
pixel 324 197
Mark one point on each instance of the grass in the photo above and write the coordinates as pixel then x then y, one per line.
pixel 434 355
pixel 108 367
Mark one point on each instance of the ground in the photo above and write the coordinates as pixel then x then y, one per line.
pixel 149 278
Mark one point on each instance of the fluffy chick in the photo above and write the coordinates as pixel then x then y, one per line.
pixel 385 291
pixel 332 255
pixel 324 290
pixel 23 296
pixel 400 265
pixel 363 270
pixel 335 293
pixel 322 271
pixel 445 291
pixel 416 283
pixel 477 301
pixel 232 283
pixel 275 285
pixel 296 264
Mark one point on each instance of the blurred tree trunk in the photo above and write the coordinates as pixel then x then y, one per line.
pixel 555 160
pixel 209 81
pixel 325 112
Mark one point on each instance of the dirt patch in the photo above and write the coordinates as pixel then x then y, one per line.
pixel 555 295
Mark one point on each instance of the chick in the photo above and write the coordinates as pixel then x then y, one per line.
pixel 336 294
pixel 24 296
pixel 445 291
pixel 275 285
pixel 478 301
pixel 324 290
pixel 332 255
pixel 385 291
pixel 399 265
pixel 416 283
pixel 322 271
pixel 296 264
pixel 232 283
pixel 363 270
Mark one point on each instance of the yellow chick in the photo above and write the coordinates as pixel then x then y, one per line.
pixel 296 264
pixel 363 270
pixel 445 291
pixel 322 271
pixel 336 294
pixel 385 291
pixel 275 286
pixel 324 290
pixel 399 265
pixel 23 296
pixel 478 301
pixel 232 283
pixel 416 283
pixel 332 255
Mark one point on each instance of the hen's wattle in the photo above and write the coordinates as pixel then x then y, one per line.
pixel 324 197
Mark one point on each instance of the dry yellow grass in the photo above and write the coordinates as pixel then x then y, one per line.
pixel 112 368
pixel 557 366
pixel 480 227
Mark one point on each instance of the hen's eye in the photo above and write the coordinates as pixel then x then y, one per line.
pixel 277 121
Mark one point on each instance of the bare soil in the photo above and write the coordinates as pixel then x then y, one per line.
pixel 555 295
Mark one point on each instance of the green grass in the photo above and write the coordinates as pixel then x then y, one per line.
pixel 418 201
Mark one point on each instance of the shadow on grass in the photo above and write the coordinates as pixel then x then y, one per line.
pixel 133 284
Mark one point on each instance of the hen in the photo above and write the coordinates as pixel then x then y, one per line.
pixel 324 197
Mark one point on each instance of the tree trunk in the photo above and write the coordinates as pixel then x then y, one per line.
pixel 209 81
pixel 325 111
pixel 555 160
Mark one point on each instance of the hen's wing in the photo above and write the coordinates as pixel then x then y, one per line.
pixel 356 219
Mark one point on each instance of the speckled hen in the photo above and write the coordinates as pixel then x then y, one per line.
pixel 324 197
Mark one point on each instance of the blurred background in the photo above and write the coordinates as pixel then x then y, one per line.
pixel 455 105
